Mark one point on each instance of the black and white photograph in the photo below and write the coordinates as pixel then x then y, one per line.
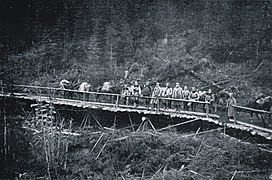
pixel 135 89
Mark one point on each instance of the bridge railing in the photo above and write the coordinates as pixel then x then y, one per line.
pixel 162 103
pixel 64 93
pixel 113 99
pixel 254 116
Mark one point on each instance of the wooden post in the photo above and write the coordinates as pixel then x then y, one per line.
pixel 263 120
pixel 158 103
pixel 234 113
pixel 39 92
pixel 152 125
pixel 207 109
pixel 2 86
pixel 114 122
pixel 130 120
pixel 89 97
pixel 117 100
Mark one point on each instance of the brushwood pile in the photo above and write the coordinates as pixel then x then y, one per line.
pixel 124 154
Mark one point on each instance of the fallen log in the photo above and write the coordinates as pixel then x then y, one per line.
pixel 101 150
pixel 193 74
pixel 251 109
pixel 235 172
pixel 65 132
pixel 259 66
pixel 194 172
pixel 203 132
pixel 186 122
pixel 254 127
pixel 97 142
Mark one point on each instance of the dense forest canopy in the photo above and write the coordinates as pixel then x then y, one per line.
pixel 197 42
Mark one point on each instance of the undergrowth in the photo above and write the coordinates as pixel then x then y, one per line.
pixel 155 156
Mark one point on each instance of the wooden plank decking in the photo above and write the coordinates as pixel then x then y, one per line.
pixel 112 107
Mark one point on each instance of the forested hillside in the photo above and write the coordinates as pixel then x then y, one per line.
pixel 196 42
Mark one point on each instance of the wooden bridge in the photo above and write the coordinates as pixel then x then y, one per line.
pixel 112 102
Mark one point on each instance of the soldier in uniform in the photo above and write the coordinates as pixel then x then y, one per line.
pixel 209 98
pixel 231 110
pixel 125 95
pixel 136 91
pixel 64 85
pixel 202 96
pixel 186 95
pixel 156 94
pixel 177 94
pixel 167 93
pixel 84 87
pixel 147 92
pixel 194 96
pixel 126 78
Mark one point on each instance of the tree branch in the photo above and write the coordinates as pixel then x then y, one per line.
pixel 259 66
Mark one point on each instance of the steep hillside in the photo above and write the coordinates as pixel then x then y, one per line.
pixel 199 43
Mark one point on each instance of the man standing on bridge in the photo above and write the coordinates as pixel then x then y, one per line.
pixel 136 92
pixel 210 99
pixel 155 96
pixel 186 95
pixel 194 96
pixel 231 110
pixel 125 95
pixel 177 94
pixel 147 92
pixel 167 93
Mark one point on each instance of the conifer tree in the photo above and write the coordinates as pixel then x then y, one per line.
pixel 125 48
pixel 93 50
pixel 111 48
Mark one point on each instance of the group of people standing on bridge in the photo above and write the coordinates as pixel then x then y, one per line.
pixel 167 97
pixel 176 97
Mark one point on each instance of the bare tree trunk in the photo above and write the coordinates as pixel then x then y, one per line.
pixel 5 135
pixel 44 128
pixel 67 145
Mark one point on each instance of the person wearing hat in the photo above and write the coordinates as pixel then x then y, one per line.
pixel 125 95
pixel 231 110
pixel 194 96
pixel 260 99
pixel 126 77
pixel 202 96
pixel 136 91
pixel 167 93
pixel 210 99
pixel 186 95
pixel 146 92
pixel 64 83
pixel 155 95
pixel 177 94
pixel 84 87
